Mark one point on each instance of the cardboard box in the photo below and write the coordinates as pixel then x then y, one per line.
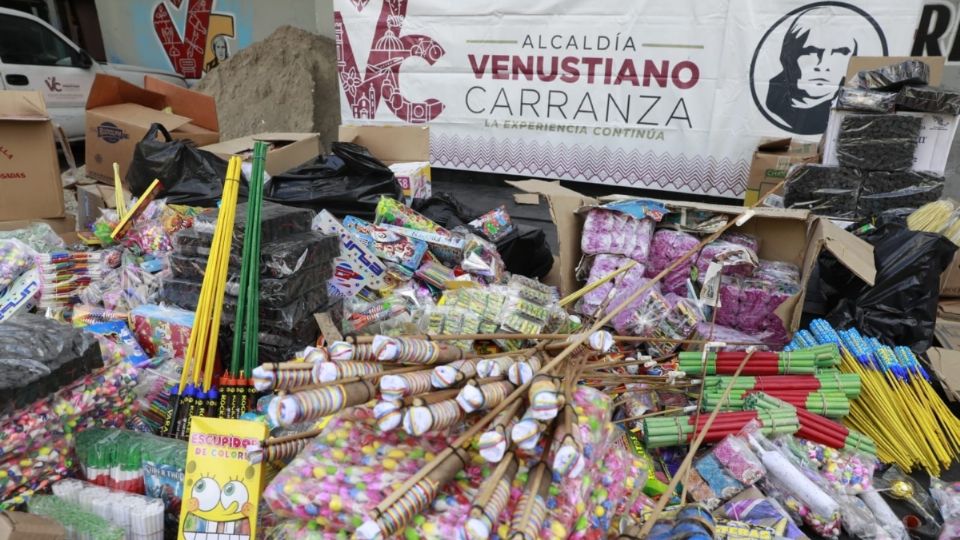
pixel 948 334
pixel 119 114
pixel 29 169
pixel 22 526
pixel 795 236
pixel 91 199
pixel 771 161
pixel 936 137
pixel 414 179
pixel 950 279
pixel 945 364
pixel 287 150
pixel 391 144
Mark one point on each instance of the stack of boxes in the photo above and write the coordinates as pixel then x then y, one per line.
pixel 295 264
pixel 885 148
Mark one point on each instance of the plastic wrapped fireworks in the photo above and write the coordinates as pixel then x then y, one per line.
pixel 929 99
pixel 444 320
pixel 677 323
pixel 735 259
pixel 667 246
pixel 643 314
pixel 79 522
pixel 141 518
pixel 487 303
pixel 947 497
pixel 831 191
pixel 865 100
pixel 403 254
pixel 886 190
pixel 444 244
pixel 764 511
pixel 894 76
pixel 724 472
pixel 15 259
pixel 277 222
pixel 878 142
pixel 616 233
pixel 602 266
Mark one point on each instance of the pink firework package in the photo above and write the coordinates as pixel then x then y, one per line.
pixel 667 246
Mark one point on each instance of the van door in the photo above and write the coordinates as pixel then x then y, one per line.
pixel 33 56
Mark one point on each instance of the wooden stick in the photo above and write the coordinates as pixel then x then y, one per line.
pixel 588 288
pixel 294 437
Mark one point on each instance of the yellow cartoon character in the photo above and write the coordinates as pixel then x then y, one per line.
pixel 215 513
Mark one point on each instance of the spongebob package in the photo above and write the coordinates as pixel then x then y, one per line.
pixel 221 488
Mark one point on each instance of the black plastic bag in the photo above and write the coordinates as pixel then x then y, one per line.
pixel 525 251
pixel 446 210
pixel 349 182
pixel 901 307
pixel 187 174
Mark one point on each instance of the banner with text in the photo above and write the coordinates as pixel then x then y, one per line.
pixel 650 94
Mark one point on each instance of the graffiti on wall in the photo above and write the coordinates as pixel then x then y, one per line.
pixel 206 38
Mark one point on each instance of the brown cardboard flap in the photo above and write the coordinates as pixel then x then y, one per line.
pixel 16 525
pixel 851 251
pixel 17 105
pixel 201 108
pixel 143 117
pixel 945 364
pixel 391 144
pixel 860 63
pixel 774 145
pixel 109 90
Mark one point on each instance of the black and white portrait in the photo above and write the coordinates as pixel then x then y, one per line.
pixel 801 62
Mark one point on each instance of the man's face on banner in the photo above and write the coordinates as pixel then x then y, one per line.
pixel 823 61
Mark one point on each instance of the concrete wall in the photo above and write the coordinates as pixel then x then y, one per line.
pixel 156 33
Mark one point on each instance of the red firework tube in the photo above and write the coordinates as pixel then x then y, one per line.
pixel 816 421
pixel 820 437
pixel 738 356
pixel 722 417
pixel 750 369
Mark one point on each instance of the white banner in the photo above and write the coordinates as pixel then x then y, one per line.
pixel 669 95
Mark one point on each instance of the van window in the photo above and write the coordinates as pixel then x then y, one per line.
pixel 23 41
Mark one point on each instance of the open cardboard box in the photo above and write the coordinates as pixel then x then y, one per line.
pixel 23 526
pixel 30 184
pixel 119 114
pixel 406 149
pixel 794 236
pixel 287 150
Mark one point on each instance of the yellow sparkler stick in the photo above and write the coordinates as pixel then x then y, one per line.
pixel 229 208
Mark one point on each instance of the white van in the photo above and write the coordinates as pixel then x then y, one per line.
pixel 35 56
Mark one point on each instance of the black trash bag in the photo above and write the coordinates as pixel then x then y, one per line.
pixel 525 251
pixel 349 182
pixel 446 210
pixel 901 307
pixel 187 174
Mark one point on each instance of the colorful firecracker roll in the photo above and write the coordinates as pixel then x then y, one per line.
pixel 341 351
pixel 526 432
pixel 490 501
pixel 312 405
pixel 277 378
pixel 678 430
pixel 816 428
pixel 422 417
pixel 826 381
pixel 279 448
pixel 394 387
pixel 450 374
pixel 493 443
pixel 829 404
pixel 327 372
pixel 797 362
pixel 531 509
pixel 389 414
pixel 522 371
pixel 413 351
pixel 494 367
pixel 546 398
pixel 474 397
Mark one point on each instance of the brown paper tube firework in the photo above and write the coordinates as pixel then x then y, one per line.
pixel 522 371
pixel 421 417
pixel 327 372
pixel 390 413
pixel 490 501
pixel 311 405
pixel 280 448
pixel 455 372
pixel 407 351
pixel 566 454
pixel 531 510
pixel 392 515
pixel 341 351
pixel 526 432
pixel 474 397
pixel 393 387
pixel 493 443
pixel 546 398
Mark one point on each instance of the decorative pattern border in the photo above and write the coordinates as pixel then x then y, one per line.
pixel 633 168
